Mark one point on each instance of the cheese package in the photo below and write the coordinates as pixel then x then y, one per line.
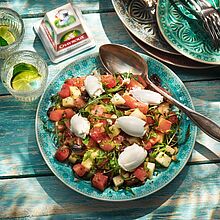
pixel 64 33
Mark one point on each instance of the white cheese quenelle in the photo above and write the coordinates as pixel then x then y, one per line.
pixel 147 96
pixel 93 86
pixel 132 157
pixel 79 125
pixel 132 125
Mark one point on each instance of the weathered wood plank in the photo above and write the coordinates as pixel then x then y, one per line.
pixel 19 154
pixel 19 151
pixel 34 8
pixel 206 98
pixel 194 194
pixel 110 30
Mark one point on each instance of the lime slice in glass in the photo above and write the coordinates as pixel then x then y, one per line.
pixel 26 81
pixel 3 30
pixel 20 67
pixel 6 35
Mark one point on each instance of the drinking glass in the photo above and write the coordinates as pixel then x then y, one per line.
pixel 27 57
pixel 15 25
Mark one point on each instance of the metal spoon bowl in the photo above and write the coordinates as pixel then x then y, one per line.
pixel 118 59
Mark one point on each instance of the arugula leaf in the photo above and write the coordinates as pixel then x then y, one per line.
pixel 126 75
pixel 56 99
pixel 84 114
pixel 86 140
pixel 118 113
pixel 109 108
pixel 105 96
pixel 115 89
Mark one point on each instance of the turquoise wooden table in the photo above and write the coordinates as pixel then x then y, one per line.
pixel 29 189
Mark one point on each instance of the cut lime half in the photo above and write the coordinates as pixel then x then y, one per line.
pixel 26 81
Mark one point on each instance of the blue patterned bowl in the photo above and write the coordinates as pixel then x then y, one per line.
pixel 46 143
pixel 185 33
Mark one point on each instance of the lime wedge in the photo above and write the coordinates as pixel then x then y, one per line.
pixel 26 81
pixel 9 37
pixel 3 30
pixel 20 67
pixel 6 35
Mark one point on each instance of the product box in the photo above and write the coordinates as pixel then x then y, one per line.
pixel 64 33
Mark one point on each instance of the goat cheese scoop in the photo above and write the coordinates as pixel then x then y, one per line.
pixel 147 96
pixel 132 125
pixel 79 125
pixel 132 157
pixel 93 86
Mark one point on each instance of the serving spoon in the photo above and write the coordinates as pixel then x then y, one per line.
pixel 119 59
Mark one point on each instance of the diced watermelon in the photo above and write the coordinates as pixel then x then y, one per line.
pixel 150 120
pixel 69 82
pixel 56 115
pixel 140 174
pixel 130 101
pixel 173 118
pixel 68 113
pixel 109 81
pixel 79 103
pixel 62 154
pixel 98 134
pixel 142 107
pixel 159 138
pixel 78 82
pixel 148 145
pixel 100 181
pixel 65 91
pixel 79 169
pixel 107 145
pixel 133 103
pixel 134 84
pixel 164 125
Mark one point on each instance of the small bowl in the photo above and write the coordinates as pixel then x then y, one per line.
pixel 28 57
pixel 15 24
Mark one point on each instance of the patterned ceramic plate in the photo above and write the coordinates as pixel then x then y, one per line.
pixel 141 21
pixel 64 172
pixel 185 33
pixel 176 60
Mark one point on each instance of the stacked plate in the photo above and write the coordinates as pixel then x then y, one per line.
pixel 166 30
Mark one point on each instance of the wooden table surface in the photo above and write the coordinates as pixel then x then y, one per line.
pixel 29 189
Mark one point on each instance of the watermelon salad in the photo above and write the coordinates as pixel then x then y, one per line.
pixel 113 130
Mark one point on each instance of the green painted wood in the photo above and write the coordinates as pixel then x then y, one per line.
pixel 34 8
pixel 193 194
pixel 19 153
pixel 110 30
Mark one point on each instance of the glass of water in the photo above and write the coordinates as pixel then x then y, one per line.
pixel 24 74
pixel 11 31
